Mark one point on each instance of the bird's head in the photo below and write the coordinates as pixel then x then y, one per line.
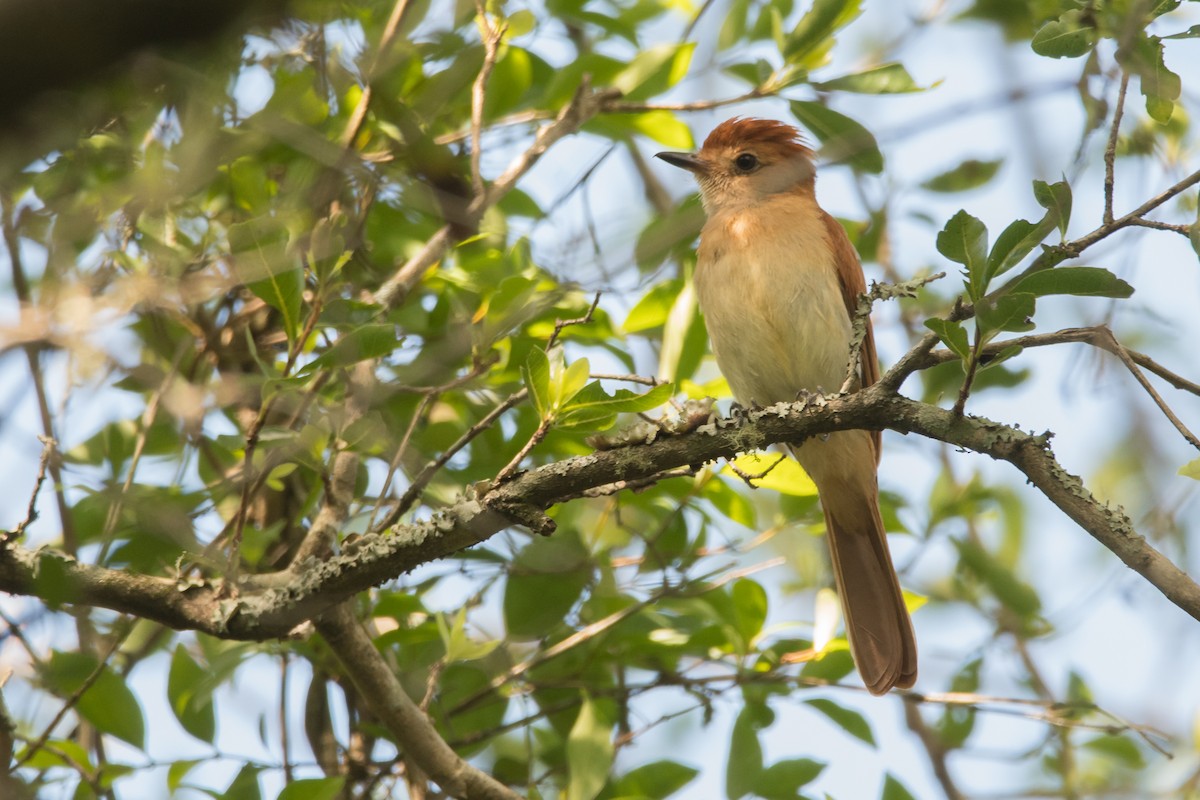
pixel 745 160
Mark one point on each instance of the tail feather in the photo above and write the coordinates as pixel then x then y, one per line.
pixel 877 622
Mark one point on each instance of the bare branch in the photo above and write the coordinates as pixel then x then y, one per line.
pixel 415 733
pixel 1110 151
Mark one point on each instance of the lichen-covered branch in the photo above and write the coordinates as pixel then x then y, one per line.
pixel 271 605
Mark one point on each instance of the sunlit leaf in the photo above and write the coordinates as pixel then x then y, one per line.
pixel 1084 281
pixel 842 138
pixel 884 79
pixel 589 753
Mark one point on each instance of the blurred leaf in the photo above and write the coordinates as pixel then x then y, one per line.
pixel 589 753
pixel 362 343
pixel 745 752
pixel 964 240
pixel 847 719
pixel 783 779
pixel 1016 595
pixel 190 695
pixel 107 703
pixel 893 789
pixel 884 79
pixel 1191 469
pixel 749 608
pixel 244 785
pixel 1083 281
pixel 656 780
pixel 842 138
pixel 654 70
pixel 1191 33
pixel 459 646
pixel 810 41
pixel 313 789
pixel 654 307
pixel 970 174
pixel 1118 749
pixel 1069 36
pixel 259 248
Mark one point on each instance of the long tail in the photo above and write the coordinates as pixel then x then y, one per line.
pixel 880 630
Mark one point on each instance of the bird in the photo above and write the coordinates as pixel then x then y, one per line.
pixel 777 281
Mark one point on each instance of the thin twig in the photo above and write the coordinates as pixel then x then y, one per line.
pixel 422 480
pixel 120 632
pixel 862 312
pixel 359 114
pixel 559 324
pixel 644 380
pixel 1110 151
pixel 933 748
pixel 511 467
pixel 491 36
pixel 1116 348
pixel 31 513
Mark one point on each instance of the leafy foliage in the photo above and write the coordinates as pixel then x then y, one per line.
pixel 317 255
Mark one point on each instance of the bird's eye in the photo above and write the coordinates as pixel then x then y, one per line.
pixel 746 162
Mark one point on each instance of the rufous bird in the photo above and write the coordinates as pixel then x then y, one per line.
pixel 778 280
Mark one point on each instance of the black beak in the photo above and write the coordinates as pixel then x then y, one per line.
pixel 688 161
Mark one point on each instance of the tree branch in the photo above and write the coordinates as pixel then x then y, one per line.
pixel 272 605
pixel 415 734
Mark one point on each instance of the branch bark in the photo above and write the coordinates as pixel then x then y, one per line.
pixel 414 732
pixel 272 605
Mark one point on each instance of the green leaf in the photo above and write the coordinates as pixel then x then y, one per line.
pixel 654 70
pixel 1014 243
pixel 842 138
pixel 108 703
pixel 1056 199
pixel 785 476
pixel 190 695
pixel 574 378
pixel 953 335
pixel 1117 749
pixel 749 608
pixel 964 241
pixel 259 249
pixel 1082 281
pixel 652 310
pixel 970 174
pixel 459 646
pixel 884 79
pixel 893 789
pixel 362 343
pixel 536 374
pixel 1160 86
pixel 783 779
pixel 244 785
pixel 1069 36
pixel 656 780
pixel 1016 595
pixel 809 43
pixel 663 127
pixel 593 406
pixel 1191 33
pixel 1191 469
pixel 675 336
pixel 745 751
pixel 313 789
pixel 589 753
pixel 847 719
pixel 543 584
pixel 1010 311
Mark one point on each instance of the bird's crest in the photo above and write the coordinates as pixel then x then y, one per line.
pixel 740 131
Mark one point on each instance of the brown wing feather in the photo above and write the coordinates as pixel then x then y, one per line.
pixel 854 283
